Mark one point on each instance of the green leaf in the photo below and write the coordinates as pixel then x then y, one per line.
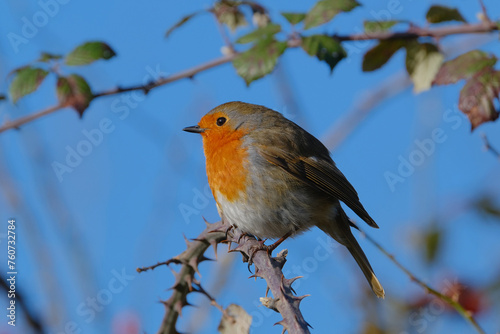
pixel 181 22
pixel 464 67
pixel 228 13
pixel 325 10
pixel 45 57
pixel 432 240
pixel 477 97
pixel 380 54
pixel 324 48
pixel 26 80
pixel 437 14
pixel 422 63
pixel 89 52
pixel 74 91
pixel 259 60
pixel 488 207
pixel 378 26
pixel 294 18
pixel 260 33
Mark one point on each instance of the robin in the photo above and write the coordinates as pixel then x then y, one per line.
pixel 272 179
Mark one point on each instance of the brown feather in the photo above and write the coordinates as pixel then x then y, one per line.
pixel 322 175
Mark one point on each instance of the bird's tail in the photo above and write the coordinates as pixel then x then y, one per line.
pixel 341 232
pixel 365 266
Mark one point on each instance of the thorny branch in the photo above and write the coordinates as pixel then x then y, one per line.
pixel 293 42
pixel 266 267
pixel 453 303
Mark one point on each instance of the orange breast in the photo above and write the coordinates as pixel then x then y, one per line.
pixel 226 164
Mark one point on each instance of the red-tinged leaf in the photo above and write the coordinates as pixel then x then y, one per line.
pixel 228 13
pixel 260 60
pixel 73 91
pixel 422 63
pixel 464 67
pixel 325 10
pixel 437 14
pixel 26 80
pixel 324 48
pixel 181 22
pixel 381 53
pixel 378 26
pixel 88 53
pixel 478 95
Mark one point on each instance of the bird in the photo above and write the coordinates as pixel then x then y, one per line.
pixel 272 179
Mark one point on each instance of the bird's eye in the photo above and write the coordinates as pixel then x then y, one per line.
pixel 221 121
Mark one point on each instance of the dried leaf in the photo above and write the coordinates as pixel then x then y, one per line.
pixel 181 23
pixel 325 10
pixel 88 53
pixel 26 81
pixel 228 13
pixel 74 91
pixel 477 97
pixel 324 48
pixel 235 320
pixel 437 14
pixel 422 63
pixel 464 67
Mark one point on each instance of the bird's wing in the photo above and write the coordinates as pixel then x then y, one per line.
pixel 320 174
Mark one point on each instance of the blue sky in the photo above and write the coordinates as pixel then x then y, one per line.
pixel 81 238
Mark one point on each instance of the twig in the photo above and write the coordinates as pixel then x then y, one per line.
pixel 485 13
pixel 416 32
pixel 488 146
pixel 32 320
pixel 23 120
pixel 293 42
pixel 265 267
pixel 456 305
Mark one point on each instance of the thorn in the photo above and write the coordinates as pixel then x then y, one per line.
pixel 189 282
pixel 204 258
pixel 214 245
pixel 256 274
pixel 193 262
pixel 238 248
pixel 186 239
pixel 298 299
pixel 287 282
pixel 267 290
pixel 178 307
pixel 206 222
pixel 282 323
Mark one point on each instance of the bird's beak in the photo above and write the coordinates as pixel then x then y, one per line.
pixel 194 129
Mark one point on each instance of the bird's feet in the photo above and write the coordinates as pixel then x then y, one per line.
pixel 268 248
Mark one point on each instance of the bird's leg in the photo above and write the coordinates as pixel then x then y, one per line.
pixel 269 249
pixel 278 242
